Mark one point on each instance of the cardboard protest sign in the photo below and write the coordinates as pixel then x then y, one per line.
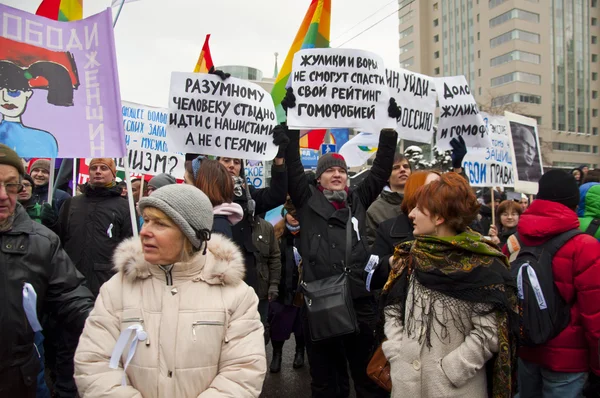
pixel 416 98
pixel 459 114
pixel 526 152
pixel 60 88
pixel 146 138
pixel 339 88
pixel 232 118
pixel 492 166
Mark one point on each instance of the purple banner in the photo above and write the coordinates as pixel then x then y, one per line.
pixel 59 87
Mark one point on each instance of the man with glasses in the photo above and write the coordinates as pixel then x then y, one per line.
pixel 37 277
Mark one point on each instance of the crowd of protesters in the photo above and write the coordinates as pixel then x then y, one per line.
pixel 409 266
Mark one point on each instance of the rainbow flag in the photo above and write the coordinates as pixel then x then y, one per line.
pixel 313 33
pixel 313 139
pixel 205 62
pixel 61 10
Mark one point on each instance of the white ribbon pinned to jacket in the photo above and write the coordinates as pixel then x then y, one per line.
pixel 140 335
pixel 30 306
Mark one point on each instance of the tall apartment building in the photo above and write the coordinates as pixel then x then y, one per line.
pixel 539 58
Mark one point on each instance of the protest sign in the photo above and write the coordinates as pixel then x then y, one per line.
pixel 232 118
pixel 146 138
pixel 525 142
pixel 459 114
pixel 255 173
pixel 492 166
pixel 62 77
pixel 339 88
pixel 416 98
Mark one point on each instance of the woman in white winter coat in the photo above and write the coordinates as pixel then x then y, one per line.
pixel 177 320
pixel 449 303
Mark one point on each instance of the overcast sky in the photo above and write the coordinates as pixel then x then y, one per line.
pixel 156 37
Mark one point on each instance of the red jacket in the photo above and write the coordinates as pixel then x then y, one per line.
pixel 576 268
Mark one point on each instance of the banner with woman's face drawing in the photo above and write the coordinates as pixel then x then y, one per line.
pixel 59 89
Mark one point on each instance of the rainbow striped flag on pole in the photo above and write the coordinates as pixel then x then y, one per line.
pixel 313 33
pixel 205 62
pixel 61 10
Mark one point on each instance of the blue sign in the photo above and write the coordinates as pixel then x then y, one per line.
pixel 309 158
pixel 328 148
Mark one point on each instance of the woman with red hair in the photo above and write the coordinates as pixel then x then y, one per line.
pixel 449 302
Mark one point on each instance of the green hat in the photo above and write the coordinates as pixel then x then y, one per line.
pixel 10 157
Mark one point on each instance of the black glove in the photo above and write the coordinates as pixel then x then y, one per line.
pixel 393 110
pixel 48 216
pixel 459 151
pixel 281 139
pixel 220 73
pixel 593 388
pixel 289 101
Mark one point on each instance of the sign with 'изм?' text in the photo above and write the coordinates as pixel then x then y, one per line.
pixel 146 137
pixel 211 116
pixel 339 88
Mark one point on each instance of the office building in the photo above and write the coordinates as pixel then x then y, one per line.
pixel 538 58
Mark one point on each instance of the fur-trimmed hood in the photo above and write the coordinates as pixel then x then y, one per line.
pixel 223 263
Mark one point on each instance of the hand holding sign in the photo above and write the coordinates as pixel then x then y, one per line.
pixel 231 117
pixel 339 88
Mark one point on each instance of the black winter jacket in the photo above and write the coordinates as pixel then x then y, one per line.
pixel 390 233
pixel 323 246
pixel 39 195
pixel 289 269
pixel 91 227
pixel 257 257
pixel 31 253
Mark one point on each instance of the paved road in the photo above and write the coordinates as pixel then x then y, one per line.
pixel 290 382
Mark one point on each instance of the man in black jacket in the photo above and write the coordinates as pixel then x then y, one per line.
pixel 93 224
pixel 37 277
pixel 323 212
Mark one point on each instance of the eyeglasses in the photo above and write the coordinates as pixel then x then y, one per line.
pixel 12 188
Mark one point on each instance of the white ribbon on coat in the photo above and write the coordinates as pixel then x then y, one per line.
pixel 140 335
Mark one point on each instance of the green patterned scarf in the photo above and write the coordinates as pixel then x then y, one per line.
pixel 469 268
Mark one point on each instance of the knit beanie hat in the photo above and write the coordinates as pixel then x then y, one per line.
pixel 43 164
pixel 559 186
pixel 107 162
pixel 330 160
pixel 188 207
pixel 160 180
pixel 10 157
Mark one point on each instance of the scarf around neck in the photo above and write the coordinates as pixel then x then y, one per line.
pixel 465 269
pixel 336 198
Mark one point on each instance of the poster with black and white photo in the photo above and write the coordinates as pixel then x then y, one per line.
pixel 527 154
pixel 416 98
pixel 233 117
pixel 459 114
pixel 339 88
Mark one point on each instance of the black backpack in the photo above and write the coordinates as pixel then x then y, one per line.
pixel 543 313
